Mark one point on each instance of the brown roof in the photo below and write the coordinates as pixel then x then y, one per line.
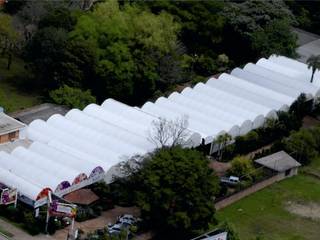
pixel 82 196
pixel 279 161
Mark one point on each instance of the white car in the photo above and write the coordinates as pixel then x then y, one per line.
pixel 115 228
pixel 127 219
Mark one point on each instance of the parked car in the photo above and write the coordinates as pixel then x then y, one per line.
pixel 127 219
pixel 114 229
pixel 231 180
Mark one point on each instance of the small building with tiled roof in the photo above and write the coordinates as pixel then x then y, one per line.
pixel 9 128
pixel 280 163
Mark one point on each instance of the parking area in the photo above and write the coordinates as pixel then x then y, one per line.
pixel 100 222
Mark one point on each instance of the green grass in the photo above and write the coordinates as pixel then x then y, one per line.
pixel 264 213
pixel 11 97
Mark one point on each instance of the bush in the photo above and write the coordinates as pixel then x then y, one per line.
pixel 247 143
pixel 303 145
pixel 241 167
pixel 30 223
pixel 72 97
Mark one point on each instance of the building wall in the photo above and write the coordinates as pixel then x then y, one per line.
pixel 9 137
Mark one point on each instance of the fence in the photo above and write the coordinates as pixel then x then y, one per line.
pixel 254 188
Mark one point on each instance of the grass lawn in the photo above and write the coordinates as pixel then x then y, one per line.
pixel 12 98
pixel 265 212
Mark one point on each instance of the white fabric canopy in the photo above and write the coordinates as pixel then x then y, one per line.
pixel 98 138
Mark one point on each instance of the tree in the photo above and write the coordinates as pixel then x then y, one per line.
pixel 246 17
pixel 201 28
pixel 222 141
pixel 241 167
pixel 301 107
pixel 45 54
pixel 9 38
pixel 251 23
pixel 302 145
pixel 72 97
pixel 313 63
pixel 169 133
pixel 275 38
pixel 129 43
pixel 174 188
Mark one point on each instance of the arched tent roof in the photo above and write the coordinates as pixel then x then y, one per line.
pixel 110 143
pixel 213 127
pixel 214 114
pixel 124 110
pixel 98 138
pixel 294 64
pixel 47 165
pixel 63 158
pixel 108 129
pixel 228 88
pixel 31 172
pixel 168 114
pixel 249 121
pixel 277 97
pixel 110 117
pixel 291 93
pixel 30 190
pixel 281 78
pixel 107 156
pixel 244 93
pixel 141 118
pixel 78 153
pixel 290 72
pixel 236 100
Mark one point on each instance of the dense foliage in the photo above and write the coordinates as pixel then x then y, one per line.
pixel 72 97
pixel 307 14
pixel 241 167
pixel 137 50
pixel 174 189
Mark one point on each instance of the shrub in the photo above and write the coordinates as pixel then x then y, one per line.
pixel 241 167
pixel 30 223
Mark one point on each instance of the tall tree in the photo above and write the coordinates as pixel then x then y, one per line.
pixel 9 38
pixel 252 23
pixel 275 38
pixel 175 189
pixel 313 63
pixel 129 43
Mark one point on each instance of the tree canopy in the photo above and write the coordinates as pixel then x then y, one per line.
pixel 130 44
pixel 174 189
pixel 72 97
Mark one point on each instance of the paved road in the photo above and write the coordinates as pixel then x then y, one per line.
pixel 309 44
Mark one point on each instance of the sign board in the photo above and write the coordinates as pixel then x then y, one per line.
pixel 8 196
pixel 40 202
pixel 62 209
pixel 82 184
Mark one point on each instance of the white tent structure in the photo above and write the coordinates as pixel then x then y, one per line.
pixel 72 150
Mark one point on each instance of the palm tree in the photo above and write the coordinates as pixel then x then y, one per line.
pixel 222 141
pixel 313 63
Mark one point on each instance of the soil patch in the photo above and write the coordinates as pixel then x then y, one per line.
pixel 310 210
